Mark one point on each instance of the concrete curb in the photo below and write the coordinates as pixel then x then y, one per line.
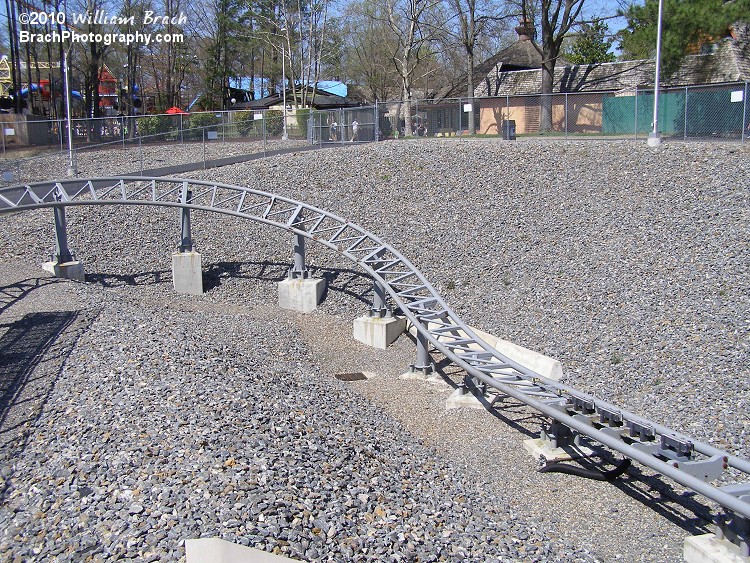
pixel 215 550
pixel 541 364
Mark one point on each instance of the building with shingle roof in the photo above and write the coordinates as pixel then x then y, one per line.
pixel 521 55
pixel 517 92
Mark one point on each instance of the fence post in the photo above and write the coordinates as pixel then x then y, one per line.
pixel 376 124
pixel 341 125
pixel 263 112
pixel 684 126
pixel 204 147
pixel 744 117
pixel 635 117
pixel 566 116
pixel 507 108
pixel 140 150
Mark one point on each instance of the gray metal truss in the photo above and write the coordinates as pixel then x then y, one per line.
pixel 666 451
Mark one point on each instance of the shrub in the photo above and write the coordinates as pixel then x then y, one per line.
pixel 386 129
pixel 246 124
pixel 204 120
pixel 303 116
pixel 274 122
pixel 154 125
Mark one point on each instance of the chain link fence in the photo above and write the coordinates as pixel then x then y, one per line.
pixel 343 125
pixel 31 131
pixel 30 142
pixel 720 112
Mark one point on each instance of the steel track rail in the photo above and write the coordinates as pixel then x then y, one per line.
pixel 671 453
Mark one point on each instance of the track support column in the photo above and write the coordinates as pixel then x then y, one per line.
pixel 298 271
pixel 557 442
pixel 62 264
pixel 380 308
pixel 423 365
pixel 299 291
pixel 379 328
pixel 187 275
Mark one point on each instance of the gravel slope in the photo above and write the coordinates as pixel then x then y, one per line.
pixel 628 264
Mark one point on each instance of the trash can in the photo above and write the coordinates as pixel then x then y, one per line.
pixel 509 130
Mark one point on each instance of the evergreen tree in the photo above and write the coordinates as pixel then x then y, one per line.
pixel 686 26
pixel 592 45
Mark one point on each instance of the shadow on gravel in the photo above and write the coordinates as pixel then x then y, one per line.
pixel 13 293
pixel 32 353
pixel 683 509
pixel 349 282
pixel 652 490
pixel 143 278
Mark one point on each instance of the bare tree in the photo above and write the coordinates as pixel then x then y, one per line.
pixel 474 18
pixel 414 25
pixel 368 51
pixel 557 18
pixel 298 34
pixel 93 55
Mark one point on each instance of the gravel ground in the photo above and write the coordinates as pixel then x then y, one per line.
pixel 169 423
pixel 628 264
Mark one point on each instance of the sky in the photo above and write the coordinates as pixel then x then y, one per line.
pixel 608 8
pixel 592 8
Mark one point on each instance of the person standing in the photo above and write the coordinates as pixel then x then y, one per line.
pixel 355 131
pixel 333 129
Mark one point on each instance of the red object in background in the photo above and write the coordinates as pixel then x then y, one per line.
pixel 44 89
pixel 107 88
pixel 176 111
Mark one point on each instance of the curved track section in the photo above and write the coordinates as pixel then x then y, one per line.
pixel 689 462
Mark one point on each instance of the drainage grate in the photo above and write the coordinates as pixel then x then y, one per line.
pixel 357 376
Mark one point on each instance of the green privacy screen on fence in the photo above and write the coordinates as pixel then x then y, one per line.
pixel 689 113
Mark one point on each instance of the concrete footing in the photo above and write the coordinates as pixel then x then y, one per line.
pixel 654 140
pixel 461 398
pixel 420 375
pixel 215 550
pixel 538 447
pixel 187 276
pixel 378 332
pixel 67 270
pixel 301 295
pixel 707 548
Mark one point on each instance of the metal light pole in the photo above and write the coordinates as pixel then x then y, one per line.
pixel 654 139
pixel 71 158
pixel 284 135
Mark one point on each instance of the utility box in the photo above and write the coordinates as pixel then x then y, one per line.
pixel 509 130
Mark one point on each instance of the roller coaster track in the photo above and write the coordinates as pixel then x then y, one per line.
pixel 666 451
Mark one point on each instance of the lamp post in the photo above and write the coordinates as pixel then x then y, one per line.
pixel 284 135
pixel 654 139
pixel 71 158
